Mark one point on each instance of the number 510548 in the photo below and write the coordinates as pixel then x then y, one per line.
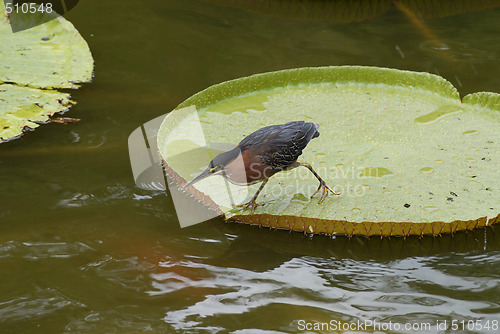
pixel 28 8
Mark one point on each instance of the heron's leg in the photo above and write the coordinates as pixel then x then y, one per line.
pixel 322 184
pixel 252 203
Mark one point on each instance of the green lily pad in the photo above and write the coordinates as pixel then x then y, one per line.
pixel 407 154
pixel 33 62
pixel 27 107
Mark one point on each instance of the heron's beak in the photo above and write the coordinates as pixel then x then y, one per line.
pixel 206 173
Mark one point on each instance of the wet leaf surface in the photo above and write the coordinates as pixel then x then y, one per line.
pixel 395 143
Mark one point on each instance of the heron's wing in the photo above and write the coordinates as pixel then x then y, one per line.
pixel 279 146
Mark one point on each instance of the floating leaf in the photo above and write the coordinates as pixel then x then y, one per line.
pixel 32 63
pixel 24 106
pixel 407 154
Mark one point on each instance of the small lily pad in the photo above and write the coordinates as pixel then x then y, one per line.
pixel 33 62
pixel 27 107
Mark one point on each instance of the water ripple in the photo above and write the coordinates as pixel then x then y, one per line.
pixel 403 290
pixel 42 250
pixel 36 305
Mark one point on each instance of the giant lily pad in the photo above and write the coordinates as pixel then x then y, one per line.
pixel 409 156
pixel 35 61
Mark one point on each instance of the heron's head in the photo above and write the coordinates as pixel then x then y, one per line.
pixel 216 166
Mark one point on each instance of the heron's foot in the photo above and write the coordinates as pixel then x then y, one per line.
pixel 249 204
pixel 324 188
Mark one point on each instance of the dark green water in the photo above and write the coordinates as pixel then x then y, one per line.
pixel 83 250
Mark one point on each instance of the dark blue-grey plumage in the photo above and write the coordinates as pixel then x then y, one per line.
pixel 279 146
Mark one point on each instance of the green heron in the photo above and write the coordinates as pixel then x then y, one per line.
pixel 265 152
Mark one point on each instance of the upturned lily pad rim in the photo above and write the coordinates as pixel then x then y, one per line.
pixel 317 75
pixel 343 75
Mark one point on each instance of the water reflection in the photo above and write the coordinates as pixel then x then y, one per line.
pixel 327 289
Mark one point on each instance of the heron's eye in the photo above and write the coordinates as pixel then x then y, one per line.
pixel 213 170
